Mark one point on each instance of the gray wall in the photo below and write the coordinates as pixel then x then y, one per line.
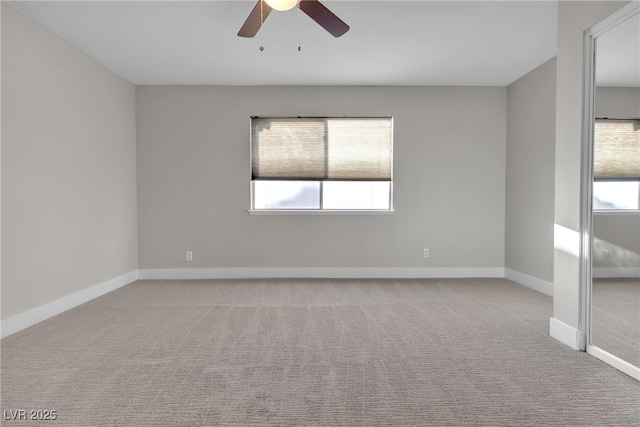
pixel 193 179
pixel 618 102
pixel 68 168
pixel 530 172
pixel 616 248
pixel 573 18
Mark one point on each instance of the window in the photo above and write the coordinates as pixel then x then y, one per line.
pixel 616 165
pixel 616 195
pixel 321 164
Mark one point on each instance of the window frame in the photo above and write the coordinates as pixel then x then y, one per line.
pixel 605 211
pixel 321 211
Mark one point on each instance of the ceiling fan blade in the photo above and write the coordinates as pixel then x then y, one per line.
pixel 324 17
pixel 255 20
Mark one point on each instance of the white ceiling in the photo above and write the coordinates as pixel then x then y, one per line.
pixel 390 42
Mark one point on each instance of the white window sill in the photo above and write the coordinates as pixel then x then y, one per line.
pixel 319 212
pixel 616 211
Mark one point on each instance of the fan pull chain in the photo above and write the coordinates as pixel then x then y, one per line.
pixel 299 48
pixel 261 25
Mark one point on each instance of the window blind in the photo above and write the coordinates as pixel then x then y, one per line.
pixel 616 149
pixel 325 148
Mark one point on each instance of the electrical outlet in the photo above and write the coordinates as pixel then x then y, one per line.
pixel 189 256
pixel 425 252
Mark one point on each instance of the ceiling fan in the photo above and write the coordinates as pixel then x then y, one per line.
pixel 316 11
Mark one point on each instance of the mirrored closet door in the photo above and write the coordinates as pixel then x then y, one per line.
pixel 614 292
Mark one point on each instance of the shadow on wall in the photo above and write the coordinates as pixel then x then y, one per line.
pixel 610 260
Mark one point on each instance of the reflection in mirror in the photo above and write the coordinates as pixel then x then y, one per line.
pixel 615 291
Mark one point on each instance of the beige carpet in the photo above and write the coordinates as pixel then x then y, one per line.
pixel 615 317
pixel 311 353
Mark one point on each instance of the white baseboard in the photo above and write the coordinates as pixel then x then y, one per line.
pixel 616 272
pixel 621 365
pixel 529 281
pixel 29 318
pixel 567 335
pixel 342 273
